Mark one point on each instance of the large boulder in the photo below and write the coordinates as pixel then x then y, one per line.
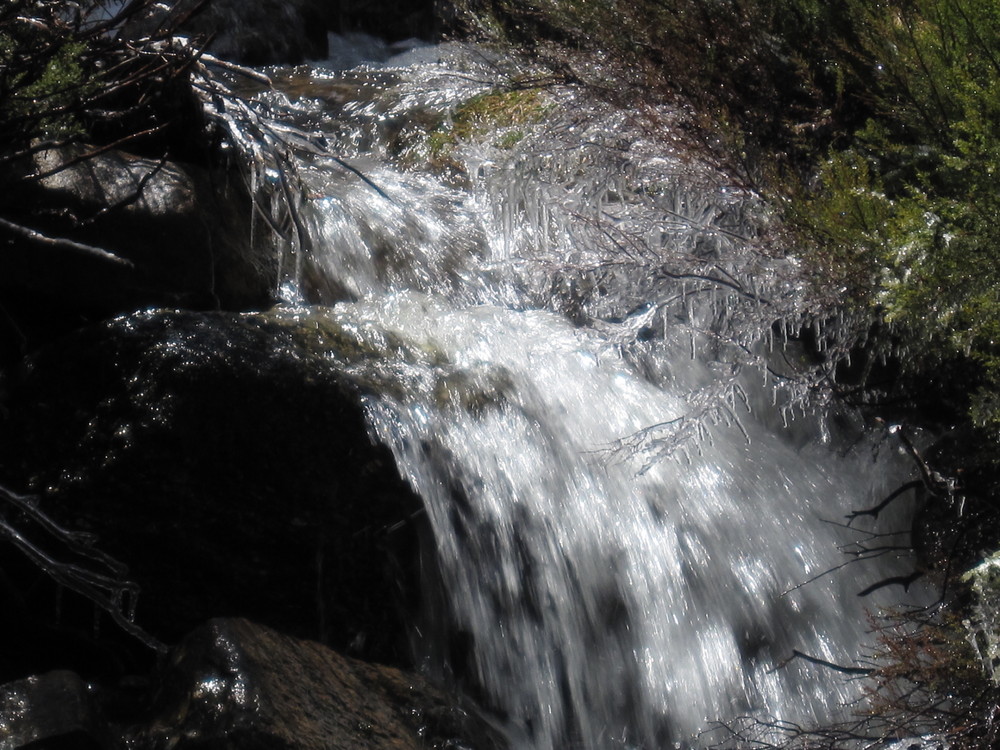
pixel 182 232
pixel 233 684
pixel 226 460
pixel 253 32
pixel 95 235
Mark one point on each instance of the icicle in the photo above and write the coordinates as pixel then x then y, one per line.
pixel 564 219
pixel 739 424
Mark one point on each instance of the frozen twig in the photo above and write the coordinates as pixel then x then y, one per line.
pixel 93 574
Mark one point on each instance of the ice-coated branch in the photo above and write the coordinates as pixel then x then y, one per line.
pixel 81 567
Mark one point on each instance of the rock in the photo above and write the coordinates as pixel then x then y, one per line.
pixel 187 236
pixel 252 32
pixel 235 684
pixel 175 235
pixel 225 459
pixel 43 707
pixel 268 32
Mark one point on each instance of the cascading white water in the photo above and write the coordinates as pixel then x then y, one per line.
pixel 620 541
pixel 610 606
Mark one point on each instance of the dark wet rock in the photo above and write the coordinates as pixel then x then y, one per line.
pixel 234 684
pixel 267 32
pixel 186 233
pixel 253 32
pixel 43 707
pixel 177 235
pixel 225 459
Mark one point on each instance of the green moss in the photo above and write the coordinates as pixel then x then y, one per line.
pixel 496 114
pixel 499 116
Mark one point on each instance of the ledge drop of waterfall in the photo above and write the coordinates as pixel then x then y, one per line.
pixel 536 327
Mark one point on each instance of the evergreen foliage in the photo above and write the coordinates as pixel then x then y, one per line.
pixel 43 82
pixel 925 165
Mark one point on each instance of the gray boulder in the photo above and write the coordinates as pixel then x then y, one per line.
pixel 234 684
pixel 172 234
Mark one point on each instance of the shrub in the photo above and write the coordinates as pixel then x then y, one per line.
pixel 912 199
pixel 43 80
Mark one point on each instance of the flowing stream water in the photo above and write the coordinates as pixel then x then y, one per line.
pixel 580 334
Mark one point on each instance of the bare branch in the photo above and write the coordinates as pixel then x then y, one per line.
pixel 101 580
pixel 874 511
pixel 904 581
pixel 61 243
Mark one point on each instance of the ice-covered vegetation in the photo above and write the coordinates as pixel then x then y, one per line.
pixel 870 129
pixel 739 174
pixel 872 125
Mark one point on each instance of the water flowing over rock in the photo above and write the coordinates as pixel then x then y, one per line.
pixel 623 518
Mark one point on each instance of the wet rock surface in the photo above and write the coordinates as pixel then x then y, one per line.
pixel 170 234
pixel 256 33
pixel 224 458
pixel 41 708
pixel 267 32
pixel 184 231
pixel 234 684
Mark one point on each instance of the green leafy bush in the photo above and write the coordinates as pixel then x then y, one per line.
pixel 913 198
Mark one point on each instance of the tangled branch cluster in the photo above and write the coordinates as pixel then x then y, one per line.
pixel 71 74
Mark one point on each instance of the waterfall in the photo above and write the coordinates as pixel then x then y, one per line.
pixel 575 319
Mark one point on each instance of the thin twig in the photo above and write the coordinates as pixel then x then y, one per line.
pixel 61 243
pixel 796 654
pixel 110 590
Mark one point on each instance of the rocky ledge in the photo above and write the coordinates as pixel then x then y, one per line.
pixel 234 684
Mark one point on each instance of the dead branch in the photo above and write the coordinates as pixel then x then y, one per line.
pixel 796 654
pixel 95 152
pixel 61 243
pixel 935 483
pixel 904 581
pixel 95 575
pixel 234 68
pixel 129 199
pixel 875 510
